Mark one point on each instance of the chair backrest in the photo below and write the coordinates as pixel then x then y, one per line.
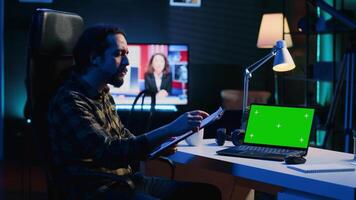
pixel 52 37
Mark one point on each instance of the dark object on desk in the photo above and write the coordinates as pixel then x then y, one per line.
pixel 294 160
pixel 237 136
pixel 220 136
pixel 230 120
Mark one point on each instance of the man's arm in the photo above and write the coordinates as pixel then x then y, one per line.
pixel 184 123
pixel 74 119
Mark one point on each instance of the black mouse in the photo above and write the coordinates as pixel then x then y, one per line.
pixel 294 159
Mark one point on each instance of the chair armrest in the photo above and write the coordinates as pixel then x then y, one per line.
pixel 170 163
pixel 124 180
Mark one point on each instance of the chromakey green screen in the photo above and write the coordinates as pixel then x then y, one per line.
pixel 279 126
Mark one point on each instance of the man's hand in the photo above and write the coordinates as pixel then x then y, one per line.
pixel 186 122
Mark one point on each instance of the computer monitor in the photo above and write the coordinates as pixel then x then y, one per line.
pixel 175 82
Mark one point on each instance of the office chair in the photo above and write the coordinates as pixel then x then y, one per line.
pixel 52 37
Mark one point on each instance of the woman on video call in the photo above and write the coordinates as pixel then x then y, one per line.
pixel 158 79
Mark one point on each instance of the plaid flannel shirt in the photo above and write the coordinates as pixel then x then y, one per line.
pixel 84 125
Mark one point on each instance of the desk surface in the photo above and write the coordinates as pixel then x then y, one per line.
pixel 340 185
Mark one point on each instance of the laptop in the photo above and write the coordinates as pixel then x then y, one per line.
pixel 273 132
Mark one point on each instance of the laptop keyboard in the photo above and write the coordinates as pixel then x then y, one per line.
pixel 264 149
pixel 267 153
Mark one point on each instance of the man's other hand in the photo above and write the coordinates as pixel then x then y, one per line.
pixel 188 121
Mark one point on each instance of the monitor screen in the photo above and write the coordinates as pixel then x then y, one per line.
pixel 159 68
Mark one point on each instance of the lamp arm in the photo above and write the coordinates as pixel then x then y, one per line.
pixel 260 62
pixel 247 75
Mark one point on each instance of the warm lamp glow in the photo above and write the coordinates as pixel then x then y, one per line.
pixel 271 30
pixel 283 61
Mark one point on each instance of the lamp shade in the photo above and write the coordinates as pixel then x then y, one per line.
pixel 271 30
pixel 283 61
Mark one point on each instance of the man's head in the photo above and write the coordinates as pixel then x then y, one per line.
pixel 104 48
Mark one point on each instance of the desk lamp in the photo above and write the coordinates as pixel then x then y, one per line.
pixel 282 62
pixel 274 27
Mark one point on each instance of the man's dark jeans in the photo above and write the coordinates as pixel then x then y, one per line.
pixel 148 188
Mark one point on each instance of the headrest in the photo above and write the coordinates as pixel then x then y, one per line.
pixel 54 33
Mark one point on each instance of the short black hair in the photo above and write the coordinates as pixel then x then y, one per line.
pixel 91 43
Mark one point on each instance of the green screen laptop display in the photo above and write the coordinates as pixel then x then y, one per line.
pixel 279 126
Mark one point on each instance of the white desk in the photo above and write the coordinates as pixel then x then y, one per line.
pixel 294 184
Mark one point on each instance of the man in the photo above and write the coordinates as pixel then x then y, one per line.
pixel 88 136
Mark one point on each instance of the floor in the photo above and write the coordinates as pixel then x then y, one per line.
pixel 19 181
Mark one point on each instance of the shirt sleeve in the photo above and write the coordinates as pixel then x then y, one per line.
pixel 73 116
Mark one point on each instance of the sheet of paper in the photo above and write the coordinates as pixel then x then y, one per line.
pixel 353 162
pixel 208 120
pixel 319 168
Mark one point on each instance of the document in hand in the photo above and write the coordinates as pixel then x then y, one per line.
pixel 210 119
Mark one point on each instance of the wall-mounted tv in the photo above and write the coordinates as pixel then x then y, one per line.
pixel 169 82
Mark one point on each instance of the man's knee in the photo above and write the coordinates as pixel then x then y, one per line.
pixel 211 192
pixel 203 191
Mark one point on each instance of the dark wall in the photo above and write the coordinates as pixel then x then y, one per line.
pixel 139 19
pixel 223 32
pixel 1 75
pixel 222 36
